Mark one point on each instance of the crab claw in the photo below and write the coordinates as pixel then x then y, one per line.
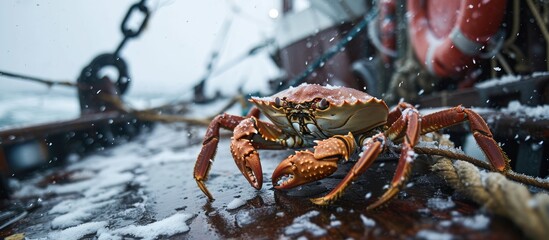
pixel 301 168
pixel 251 169
pixel 247 161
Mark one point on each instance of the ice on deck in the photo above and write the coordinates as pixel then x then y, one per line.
pixel 96 201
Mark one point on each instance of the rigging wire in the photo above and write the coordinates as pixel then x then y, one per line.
pixel 320 61
pixel 246 16
pixel 49 83
pixel 332 51
pixel 219 44
pixel 254 50
pixel 212 69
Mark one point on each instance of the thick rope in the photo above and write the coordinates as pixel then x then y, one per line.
pixel 498 194
pixel 152 114
pixel 525 179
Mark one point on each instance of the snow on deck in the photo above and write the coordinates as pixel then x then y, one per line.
pixel 144 189
pixel 101 181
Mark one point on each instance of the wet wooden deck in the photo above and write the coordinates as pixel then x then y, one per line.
pixel 270 213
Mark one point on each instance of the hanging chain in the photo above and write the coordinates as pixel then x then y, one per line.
pixel 139 7
pixel 90 74
pixel 104 59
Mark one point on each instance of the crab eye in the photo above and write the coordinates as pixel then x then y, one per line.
pixel 277 102
pixel 322 104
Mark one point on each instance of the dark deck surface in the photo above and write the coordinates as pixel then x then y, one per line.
pixel 160 184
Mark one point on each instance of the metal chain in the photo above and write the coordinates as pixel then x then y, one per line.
pixel 89 74
pixel 103 59
pixel 131 33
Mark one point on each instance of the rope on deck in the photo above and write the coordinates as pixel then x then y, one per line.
pixel 499 195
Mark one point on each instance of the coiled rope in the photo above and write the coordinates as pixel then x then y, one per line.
pixel 499 195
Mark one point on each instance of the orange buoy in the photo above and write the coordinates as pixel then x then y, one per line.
pixel 448 34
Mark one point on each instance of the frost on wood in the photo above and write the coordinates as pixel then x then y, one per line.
pixel 477 222
pixel 432 235
pixel 368 222
pixel 516 109
pixel 440 203
pixel 99 186
pixel 167 227
pixel 303 223
pixel 235 203
pixel 79 231
pixel 506 79
pixel 498 81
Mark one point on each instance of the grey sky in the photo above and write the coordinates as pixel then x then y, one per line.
pixel 54 39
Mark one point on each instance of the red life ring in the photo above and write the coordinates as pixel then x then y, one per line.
pixel 387 28
pixel 447 35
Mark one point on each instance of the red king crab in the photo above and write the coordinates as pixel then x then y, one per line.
pixel 337 122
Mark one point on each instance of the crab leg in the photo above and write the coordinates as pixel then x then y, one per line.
pixel 434 122
pixel 394 115
pixel 209 147
pixel 396 112
pixel 481 132
pixel 372 148
pixel 408 124
pixel 411 119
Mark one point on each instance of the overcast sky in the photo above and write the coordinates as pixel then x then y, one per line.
pixel 54 39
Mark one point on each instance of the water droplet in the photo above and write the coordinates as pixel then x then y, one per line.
pixel 537 146
pixel 273 13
